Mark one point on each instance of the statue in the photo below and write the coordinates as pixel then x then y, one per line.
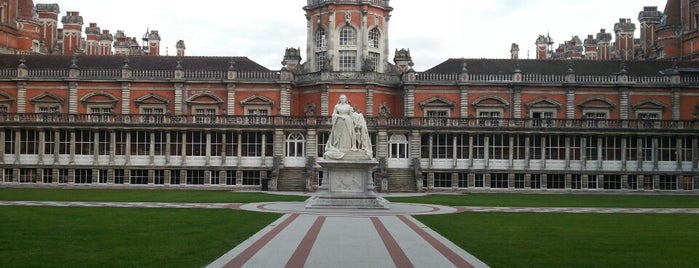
pixel 349 132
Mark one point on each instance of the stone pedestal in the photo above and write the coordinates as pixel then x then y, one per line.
pixel 347 184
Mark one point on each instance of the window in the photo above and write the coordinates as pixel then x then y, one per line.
pixel 519 181
pixel 195 177
pixel 140 143
pixel 64 142
pixel 592 181
pixel 479 181
pixel 196 143
pixel 251 177
pixel 321 38
pixel 462 146
pixel 84 141
pixel 159 177
pixel 576 181
pixel 373 61
pixel 632 181
pixel 100 114
pixel 591 148
pixel 175 143
pixel 499 147
pixel 648 119
pixel 398 147
pixel 685 153
pixel 29 140
pixel 611 147
pixel 139 176
pixel 535 181
pixel 257 114
pixel 217 144
pixel 49 142
pixel 374 38
pixel 175 177
pixel 120 142
pixel 102 175
pixel 254 144
pixel 667 149
pixel 47 111
pixel 667 182
pixel 103 145
pixel 542 119
pixel 321 58
pixel 348 37
pixel 63 176
pixel 215 177
pixel 489 118
pixel 119 176
pixel 631 148
pixel 555 148
pixel 442 180
pixel 647 152
pixel 611 182
pixel 441 146
pixel 230 177
pixel 205 115
pixel 576 148
pixel 463 180
pixel 152 114
pixel 535 147
pixel 596 119
pixel 556 181
pixel 295 145
pixel 322 140
pixel 83 176
pixel 499 180
pixel 348 60
pixel 160 143
pixel 519 147
pixel 479 147
pixel 27 175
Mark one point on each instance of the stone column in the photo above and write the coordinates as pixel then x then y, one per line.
pixel 230 99
pixel 463 101
pixel 369 101
pixel 126 98
pixel 624 103
pixel 409 100
pixel 285 100
pixel 324 99
pixel 179 99
pixel 207 150
pixel 73 97
pixel 676 103
pixel 72 147
pixel 516 102
pixel 21 97
pixel 570 103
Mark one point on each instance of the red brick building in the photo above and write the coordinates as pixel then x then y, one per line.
pixel 463 125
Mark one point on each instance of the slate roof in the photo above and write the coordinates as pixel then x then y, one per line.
pixel 135 62
pixel 560 67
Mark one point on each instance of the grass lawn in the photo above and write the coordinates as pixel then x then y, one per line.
pixel 556 200
pixel 573 240
pixel 121 195
pixel 134 237
pixel 122 237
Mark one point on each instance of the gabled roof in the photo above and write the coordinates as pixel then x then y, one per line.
pixel 558 67
pixel 135 62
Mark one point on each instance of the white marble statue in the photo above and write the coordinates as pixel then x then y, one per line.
pixel 349 132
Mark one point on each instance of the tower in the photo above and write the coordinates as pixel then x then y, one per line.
pixel 514 51
pixel 347 36
pixel 604 50
pixel 72 33
pixel 649 19
pixel 151 43
pixel 624 30
pixel 543 44
pixel 180 48
pixel 92 38
pixel 48 17
pixel 105 43
pixel 590 45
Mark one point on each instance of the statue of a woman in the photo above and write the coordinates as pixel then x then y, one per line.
pixel 348 132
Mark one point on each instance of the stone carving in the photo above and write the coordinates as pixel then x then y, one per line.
pixel 349 133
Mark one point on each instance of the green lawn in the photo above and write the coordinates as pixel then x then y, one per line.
pixel 137 237
pixel 557 200
pixel 122 237
pixel 573 240
pixel 121 195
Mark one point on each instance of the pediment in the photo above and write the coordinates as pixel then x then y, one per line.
pixel 649 104
pixel 437 102
pixel 597 102
pixel 257 100
pixel 4 97
pixel 99 97
pixel 47 98
pixel 152 99
pixel 205 98
pixel 490 101
pixel 542 103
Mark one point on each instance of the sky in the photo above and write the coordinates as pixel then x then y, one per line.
pixel 433 30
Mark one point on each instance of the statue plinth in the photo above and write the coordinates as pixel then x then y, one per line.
pixel 348 183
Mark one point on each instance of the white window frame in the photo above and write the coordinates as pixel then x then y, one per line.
pixel 596 117
pixel 545 120
pixel 645 118
pixel 374 38
pixel 105 114
pixel 257 114
pixel 149 114
pixel 348 60
pixel 398 147
pixel 490 120
pixel 205 114
pixel 296 145
pixel 347 37
pixel 321 38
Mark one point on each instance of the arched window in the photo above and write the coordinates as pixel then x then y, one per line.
pixel 295 145
pixel 348 37
pixel 374 37
pixel 321 38
pixel 398 147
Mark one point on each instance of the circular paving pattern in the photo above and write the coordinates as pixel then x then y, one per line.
pixel 395 209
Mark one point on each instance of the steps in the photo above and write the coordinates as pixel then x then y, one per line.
pixel 401 180
pixel 292 180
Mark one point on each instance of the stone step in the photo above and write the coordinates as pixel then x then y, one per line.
pixel 292 180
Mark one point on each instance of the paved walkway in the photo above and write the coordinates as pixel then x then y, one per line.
pixel 348 237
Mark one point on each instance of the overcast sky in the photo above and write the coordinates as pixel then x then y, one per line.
pixel 433 30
